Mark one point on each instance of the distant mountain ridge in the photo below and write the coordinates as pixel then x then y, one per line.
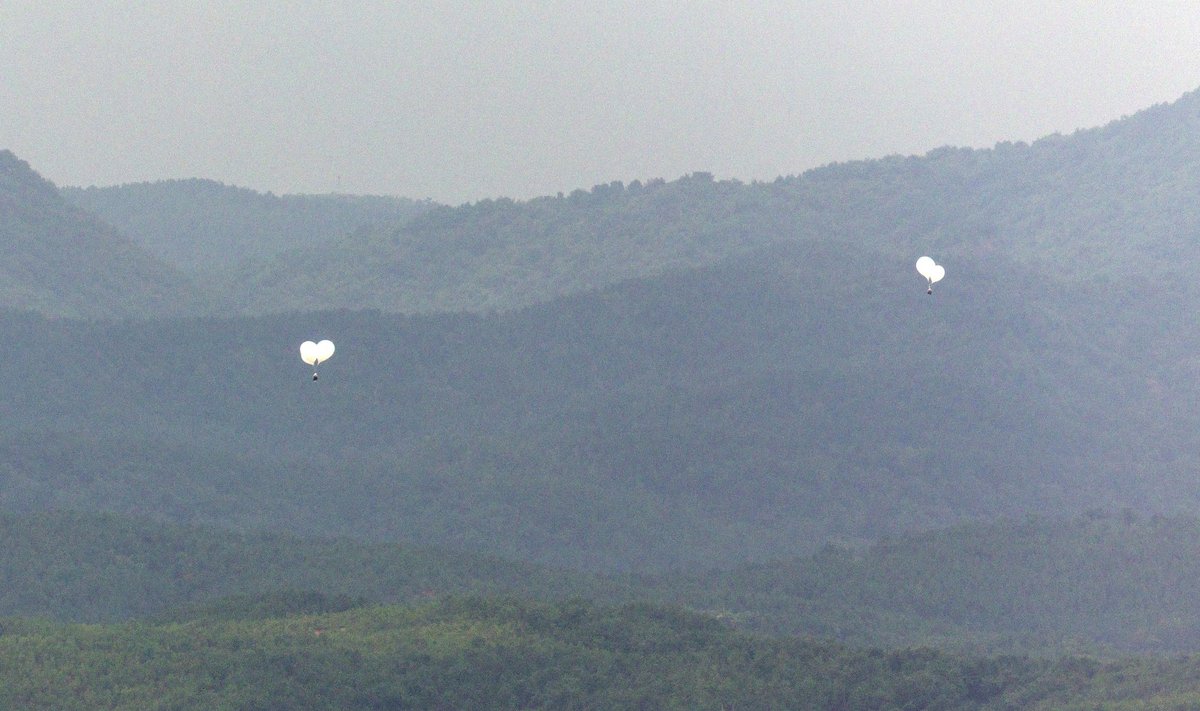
pixel 203 227
pixel 57 259
pixel 1113 203
pixel 501 254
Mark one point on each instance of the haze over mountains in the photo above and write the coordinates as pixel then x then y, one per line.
pixel 661 378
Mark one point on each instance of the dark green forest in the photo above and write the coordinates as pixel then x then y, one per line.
pixel 1106 585
pixel 506 654
pixel 76 567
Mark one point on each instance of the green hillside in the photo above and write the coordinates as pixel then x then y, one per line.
pixel 490 654
pixel 207 228
pixel 1100 584
pixel 101 567
pixel 1118 584
pixel 59 260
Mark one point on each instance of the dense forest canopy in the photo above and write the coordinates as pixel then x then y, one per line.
pixel 1106 585
pixel 797 389
pixel 508 654
pixel 77 567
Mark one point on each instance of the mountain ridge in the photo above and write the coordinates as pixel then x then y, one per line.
pixel 61 261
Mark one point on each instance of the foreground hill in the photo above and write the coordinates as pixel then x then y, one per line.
pixel 62 261
pixel 488 654
pixel 1112 585
pixel 204 227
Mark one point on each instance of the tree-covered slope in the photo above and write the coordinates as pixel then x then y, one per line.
pixel 748 411
pixel 102 567
pixel 59 260
pixel 501 254
pixel 205 227
pixel 503 654
pixel 1113 583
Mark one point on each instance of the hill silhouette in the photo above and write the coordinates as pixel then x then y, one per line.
pixel 62 261
pixel 203 227
pixel 1111 204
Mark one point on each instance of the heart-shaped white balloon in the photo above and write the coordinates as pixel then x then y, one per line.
pixel 314 353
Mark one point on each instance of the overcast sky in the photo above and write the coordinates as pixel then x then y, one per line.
pixel 462 101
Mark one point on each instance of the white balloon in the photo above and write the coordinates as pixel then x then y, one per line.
pixel 308 352
pixel 935 273
pixel 325 349
pixel 924 264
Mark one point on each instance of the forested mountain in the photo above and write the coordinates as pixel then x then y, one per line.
pixel 753 410
pixel 204 227
pixel 680 375
pixel 501 254
pixel 1111 205
pixel 60 260
pixel 1114 203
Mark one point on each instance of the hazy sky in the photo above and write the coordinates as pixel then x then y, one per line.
pixel 461 101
